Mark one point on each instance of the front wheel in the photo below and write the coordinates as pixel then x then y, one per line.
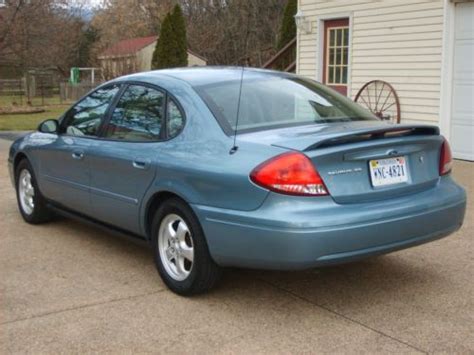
pixel 31 203
pixel 180 249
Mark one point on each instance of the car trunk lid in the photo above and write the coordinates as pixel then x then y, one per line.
pixel 343 154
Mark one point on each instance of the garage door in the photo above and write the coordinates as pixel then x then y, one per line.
pixel 462 118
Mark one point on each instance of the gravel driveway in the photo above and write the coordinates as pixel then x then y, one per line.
pixel 67 287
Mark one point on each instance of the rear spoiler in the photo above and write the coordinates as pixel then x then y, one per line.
pixel 373 134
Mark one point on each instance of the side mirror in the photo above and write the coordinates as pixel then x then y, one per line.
pixel 49 126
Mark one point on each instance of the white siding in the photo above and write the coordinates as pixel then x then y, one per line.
pixel 145 56
pixel 399 41
pixel 195 61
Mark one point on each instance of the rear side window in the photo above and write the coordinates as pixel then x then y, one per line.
pixel 85 118
pixel 175 119
pixel 138 115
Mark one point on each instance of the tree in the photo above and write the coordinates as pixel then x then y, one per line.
pixel 226 32
pixel 234 32
pixel 117 20
pixel 179 30
pixel 40 33
pixel 163 54
pixel 171 48
pixel 288 25
pixel 89 37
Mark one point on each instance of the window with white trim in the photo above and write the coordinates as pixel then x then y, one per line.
pixel 337 60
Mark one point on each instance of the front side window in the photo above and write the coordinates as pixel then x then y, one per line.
pixel 85 118
pixel 275 101
pixel 138 115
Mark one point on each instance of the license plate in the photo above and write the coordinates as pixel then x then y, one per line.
pixel 388 171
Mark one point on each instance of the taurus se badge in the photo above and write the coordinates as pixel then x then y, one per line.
pixel 344 171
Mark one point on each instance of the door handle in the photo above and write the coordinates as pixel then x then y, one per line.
pixel 78 155
pixel 140 164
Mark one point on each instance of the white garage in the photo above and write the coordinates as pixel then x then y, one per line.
pixel 462 106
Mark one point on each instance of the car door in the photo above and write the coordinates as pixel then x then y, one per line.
pixel 122 163
pixel 65 174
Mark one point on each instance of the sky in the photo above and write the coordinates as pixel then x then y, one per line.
pixel 94 3
pixel 87 3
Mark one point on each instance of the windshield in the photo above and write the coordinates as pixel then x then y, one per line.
pixel 273 101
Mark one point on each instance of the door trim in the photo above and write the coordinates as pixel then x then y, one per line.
pixel 447 72
pixel 320 46
pixel 447 69
pixel 329 25
pixel 72 184
pixel 112 195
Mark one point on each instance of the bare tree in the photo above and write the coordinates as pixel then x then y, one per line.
pixel 124 19
pixel 40 33
pixel 235 32
pixel 112 68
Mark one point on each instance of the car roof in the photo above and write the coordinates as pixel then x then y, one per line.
pixel 198 76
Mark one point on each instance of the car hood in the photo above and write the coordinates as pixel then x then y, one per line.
pixel 304 138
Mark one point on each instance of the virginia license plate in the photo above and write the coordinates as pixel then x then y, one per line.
pixel 388 171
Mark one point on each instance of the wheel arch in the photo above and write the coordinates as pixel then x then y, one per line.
pixel 18 158
pixel 154 202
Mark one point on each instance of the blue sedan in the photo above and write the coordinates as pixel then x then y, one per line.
pixel 219 167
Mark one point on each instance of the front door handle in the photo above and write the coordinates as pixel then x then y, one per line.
pixel 141 164
pixel 78 155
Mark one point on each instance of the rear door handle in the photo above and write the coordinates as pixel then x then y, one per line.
pixel 78 155
pixel 141 164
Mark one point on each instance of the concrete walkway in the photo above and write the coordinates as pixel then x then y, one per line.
pixel 66 287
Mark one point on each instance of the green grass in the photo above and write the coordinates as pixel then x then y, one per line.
pixel 35 101
pixel 30 121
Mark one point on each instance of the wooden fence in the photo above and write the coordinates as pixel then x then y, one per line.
pixel 37 90
pixel 69 92
pixel 12 87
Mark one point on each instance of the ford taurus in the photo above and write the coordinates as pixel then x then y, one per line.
pixel 219 167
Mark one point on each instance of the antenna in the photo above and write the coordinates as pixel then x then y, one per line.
pixel 234 148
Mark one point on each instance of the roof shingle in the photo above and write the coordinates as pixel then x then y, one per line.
pixel 129 46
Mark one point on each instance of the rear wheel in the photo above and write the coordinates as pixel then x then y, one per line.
pixel 31 203
pixel 180 249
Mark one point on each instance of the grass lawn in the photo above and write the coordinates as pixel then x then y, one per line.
pixel 29 122
pixel 35 101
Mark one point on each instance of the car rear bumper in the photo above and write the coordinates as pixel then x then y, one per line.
pixel 295 233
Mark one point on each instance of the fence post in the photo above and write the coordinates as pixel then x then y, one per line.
pixel 20 92
pixel 42 92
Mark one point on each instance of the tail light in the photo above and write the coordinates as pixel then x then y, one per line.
pixel 291 174
pixel 445 159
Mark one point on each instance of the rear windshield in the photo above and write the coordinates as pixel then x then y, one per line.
pixel 275 101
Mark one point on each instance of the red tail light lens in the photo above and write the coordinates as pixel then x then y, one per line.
pixel 289 173
pixel 445 159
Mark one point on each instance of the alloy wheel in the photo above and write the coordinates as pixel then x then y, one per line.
pixel 176 248
pixel 26 192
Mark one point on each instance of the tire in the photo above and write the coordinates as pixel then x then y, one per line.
pixel 35 211
pixel 171 250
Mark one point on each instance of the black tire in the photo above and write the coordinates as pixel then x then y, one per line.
pixel 40 213
pixel 205 272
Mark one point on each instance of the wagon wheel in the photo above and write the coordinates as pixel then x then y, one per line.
pixel 381 99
